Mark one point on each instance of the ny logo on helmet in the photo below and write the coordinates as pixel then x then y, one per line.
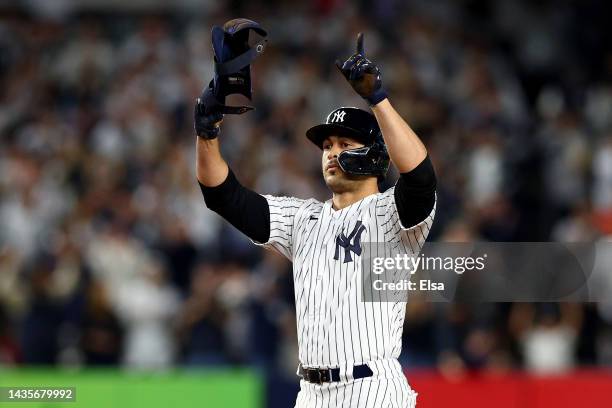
pixel 345 242
pixel 338 117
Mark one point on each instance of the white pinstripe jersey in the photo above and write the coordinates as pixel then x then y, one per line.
pixel 335 327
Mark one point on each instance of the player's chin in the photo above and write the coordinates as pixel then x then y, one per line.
pixel 333 174
pixel 337 181
pixel 329 177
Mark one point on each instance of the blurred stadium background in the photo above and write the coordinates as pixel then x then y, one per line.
pixel 114 277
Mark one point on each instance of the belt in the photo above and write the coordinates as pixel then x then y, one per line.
pixel 326 375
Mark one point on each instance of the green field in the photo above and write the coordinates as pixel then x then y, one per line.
pixel 108 389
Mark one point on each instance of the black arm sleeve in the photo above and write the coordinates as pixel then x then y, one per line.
pixel 241 207
pixel 415 193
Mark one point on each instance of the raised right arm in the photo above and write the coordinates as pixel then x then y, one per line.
pixel 211 168
pixel 241 207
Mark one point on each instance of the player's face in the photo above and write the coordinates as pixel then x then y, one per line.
pixel 336 179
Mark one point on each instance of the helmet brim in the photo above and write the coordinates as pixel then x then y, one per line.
pixel 317 134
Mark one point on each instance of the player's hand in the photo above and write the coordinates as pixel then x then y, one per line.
pixel 207 116
pixel 363 75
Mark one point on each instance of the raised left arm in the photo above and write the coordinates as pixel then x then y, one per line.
pixel 405 148
pixel 415 190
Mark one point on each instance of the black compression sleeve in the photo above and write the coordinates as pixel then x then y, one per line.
pixel 241 207
pixel 415 193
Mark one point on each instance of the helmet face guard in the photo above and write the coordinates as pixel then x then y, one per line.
pixel 365 161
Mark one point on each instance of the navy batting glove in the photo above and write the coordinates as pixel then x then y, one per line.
pixel 363 75
pixel 207 117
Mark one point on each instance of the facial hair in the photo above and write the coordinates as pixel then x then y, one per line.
pixel 342 182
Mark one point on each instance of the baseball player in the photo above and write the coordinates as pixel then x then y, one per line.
pixel 348 348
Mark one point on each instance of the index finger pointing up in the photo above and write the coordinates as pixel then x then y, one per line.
pixel 360 44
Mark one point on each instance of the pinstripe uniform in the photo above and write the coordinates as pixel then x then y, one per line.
pixel 335 327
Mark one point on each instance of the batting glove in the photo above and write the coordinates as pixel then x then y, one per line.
pixel 207 117
pixel 363 75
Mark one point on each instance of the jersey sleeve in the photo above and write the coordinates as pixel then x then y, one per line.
pixel 283 220
pixel 411 237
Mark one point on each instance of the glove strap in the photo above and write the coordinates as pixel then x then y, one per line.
pixel 377 97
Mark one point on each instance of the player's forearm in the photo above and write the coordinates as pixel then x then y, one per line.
pixel 405 148
pixel 211 168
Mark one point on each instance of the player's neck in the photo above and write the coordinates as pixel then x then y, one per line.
pixel 346 198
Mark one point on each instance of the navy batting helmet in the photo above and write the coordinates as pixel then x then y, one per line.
pixel 370 160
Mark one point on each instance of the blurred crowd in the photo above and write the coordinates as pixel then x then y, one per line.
pixel 108 255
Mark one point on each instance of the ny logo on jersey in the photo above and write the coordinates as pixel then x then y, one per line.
pixel 338 117
pixel 345 242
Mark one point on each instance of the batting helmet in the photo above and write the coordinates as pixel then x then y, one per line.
pixel 370 160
